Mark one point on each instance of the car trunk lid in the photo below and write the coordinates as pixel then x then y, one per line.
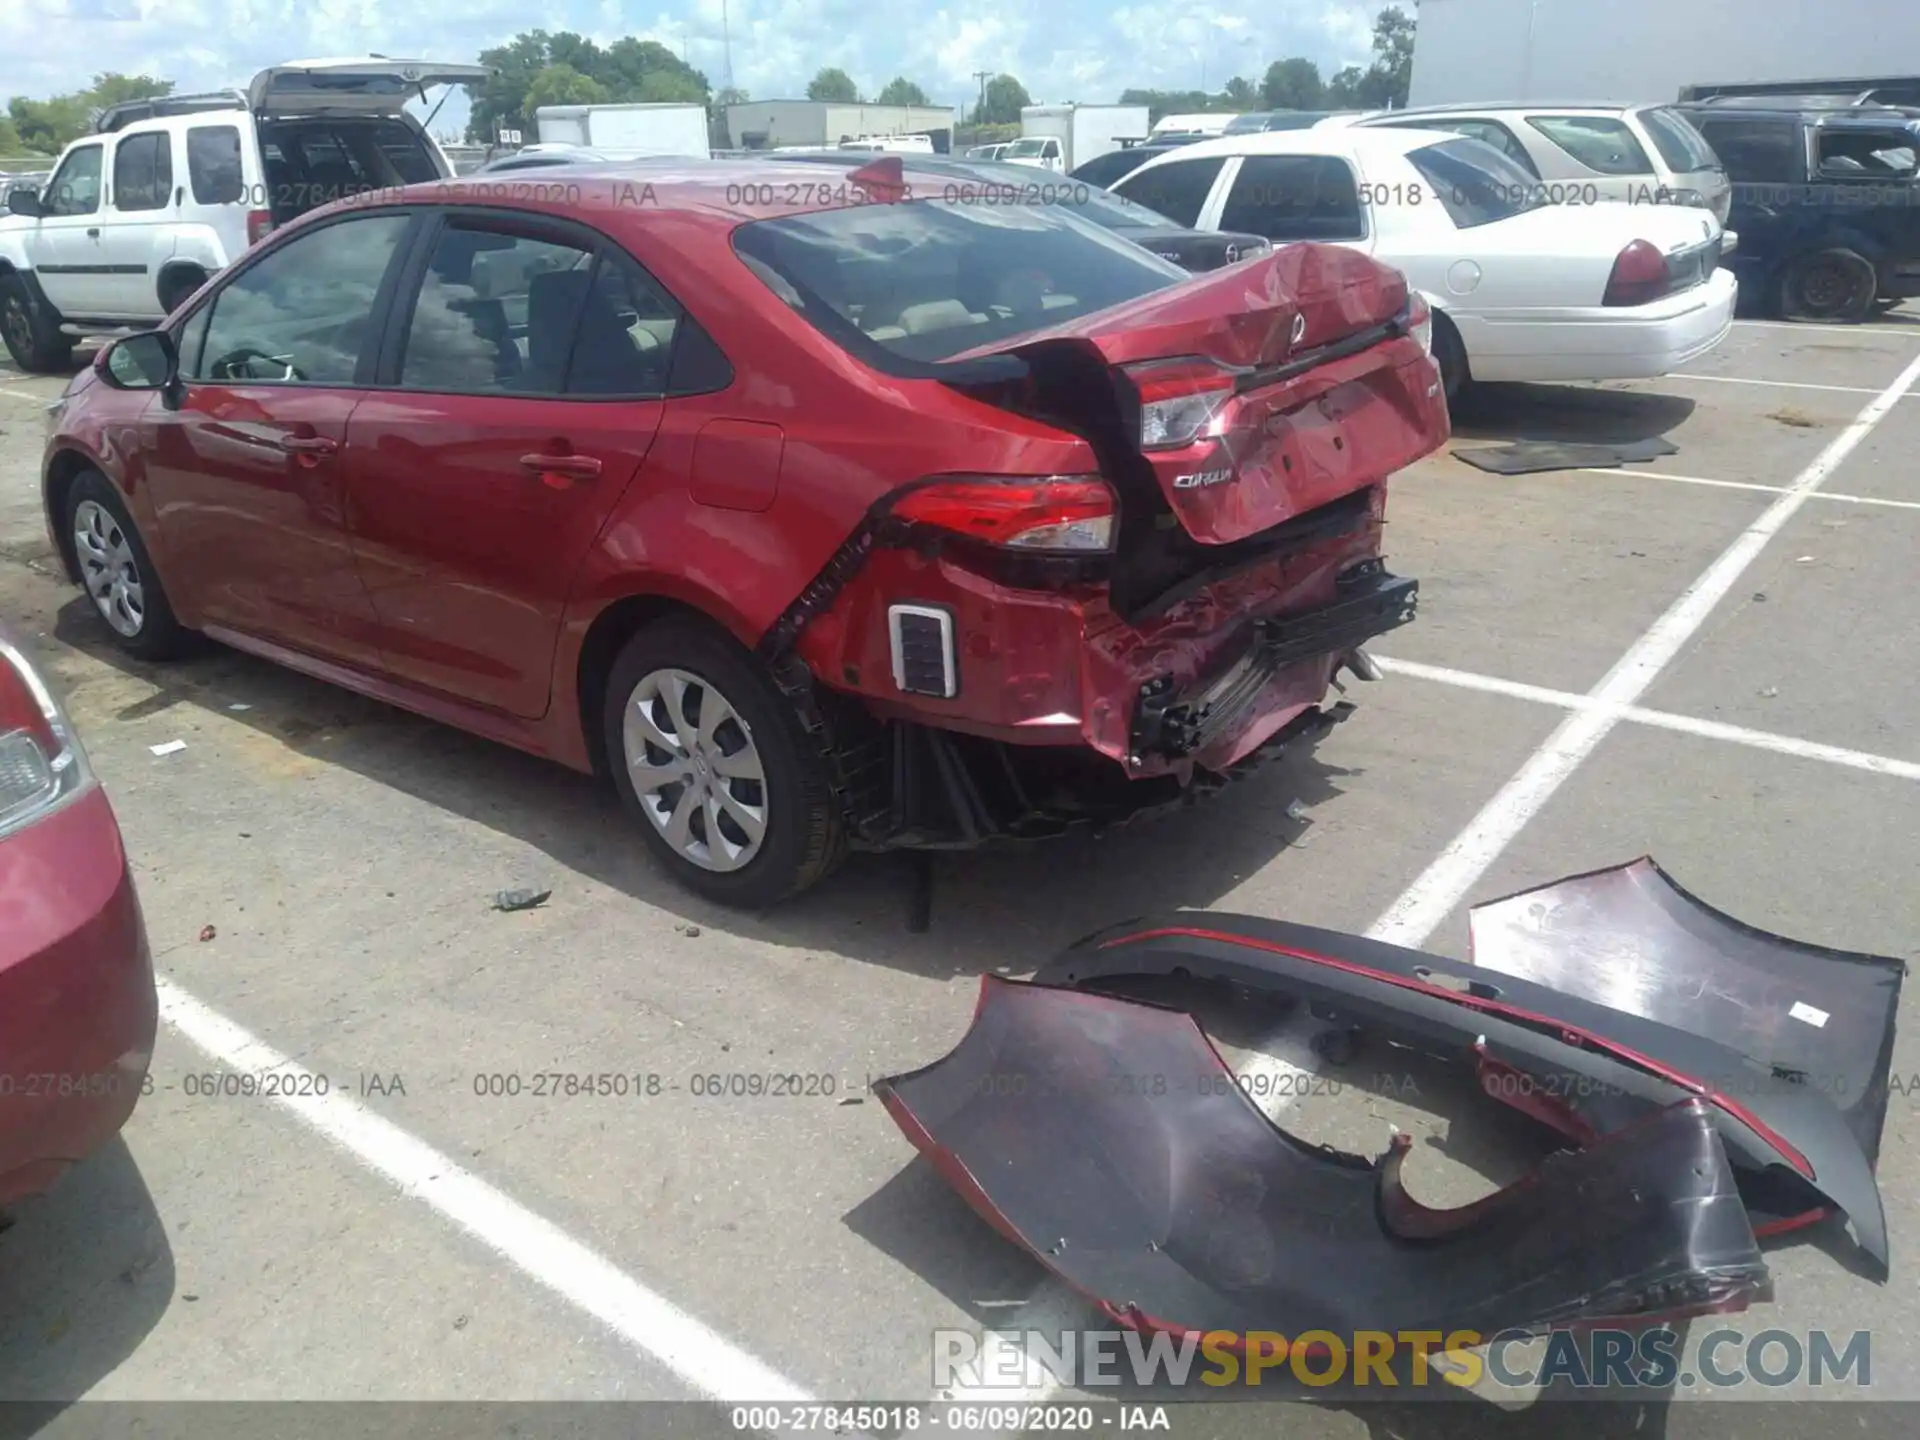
pixel 368 83
pixel 1261 391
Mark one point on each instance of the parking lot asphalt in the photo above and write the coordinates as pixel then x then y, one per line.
pixel 423 1239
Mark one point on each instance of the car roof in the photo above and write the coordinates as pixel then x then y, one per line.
pixel 1597 107
pixel 1343 141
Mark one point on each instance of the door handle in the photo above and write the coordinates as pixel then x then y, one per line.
pixel 558 472
pixel 94 233
pixel 307 445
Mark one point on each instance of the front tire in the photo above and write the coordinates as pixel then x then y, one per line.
pixel 118 573
pixel 708 755
pixel 32 332
pixel 1451 356
pixel 1836 285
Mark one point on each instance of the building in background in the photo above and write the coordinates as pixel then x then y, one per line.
pixel 1631 50
pixel 768 124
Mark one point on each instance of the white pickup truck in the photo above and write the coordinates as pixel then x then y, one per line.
pixel 165 193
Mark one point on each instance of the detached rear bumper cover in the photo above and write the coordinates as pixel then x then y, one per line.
pixel 1108 1138
pixel 1591 1068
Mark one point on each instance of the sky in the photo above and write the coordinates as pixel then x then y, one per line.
pixel 1084 50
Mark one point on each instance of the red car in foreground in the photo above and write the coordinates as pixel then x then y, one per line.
pixel 77 1005
pixel 816 511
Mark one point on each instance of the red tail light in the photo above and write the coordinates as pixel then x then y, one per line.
pixel 1639 276
pixel 1181 401
pixel 1071 514
pixel 41 762
pixel 259 225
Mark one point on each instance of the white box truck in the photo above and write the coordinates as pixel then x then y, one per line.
pixel 1061 137
pixel 620 131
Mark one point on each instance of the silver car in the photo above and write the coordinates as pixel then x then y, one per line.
pixel 1582 154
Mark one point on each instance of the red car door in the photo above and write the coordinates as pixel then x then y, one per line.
pixel 246 471
pixel 520 395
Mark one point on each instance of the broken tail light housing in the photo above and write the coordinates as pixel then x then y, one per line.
pixel 1181 401
pixel 259 225
pixel 1640 276
pixel 41 762
pixel 1036 515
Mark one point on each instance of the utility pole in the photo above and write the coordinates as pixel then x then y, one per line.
pixel 982 76
pixel 726 43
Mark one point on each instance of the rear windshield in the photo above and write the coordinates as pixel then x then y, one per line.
pixel 1680 145
pixel 926 280
pixel 312 162
pixel 1475 183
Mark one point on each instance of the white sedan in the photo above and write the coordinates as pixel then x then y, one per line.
pixel 1525 283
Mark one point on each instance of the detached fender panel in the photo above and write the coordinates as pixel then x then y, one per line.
pixel 1180 1207
pixel 1588 1068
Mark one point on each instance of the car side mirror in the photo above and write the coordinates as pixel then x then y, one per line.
pixel 25 200
pixel 147 361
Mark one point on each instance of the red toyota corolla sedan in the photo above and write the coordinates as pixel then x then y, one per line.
pixel 815 511
pixel 77 1005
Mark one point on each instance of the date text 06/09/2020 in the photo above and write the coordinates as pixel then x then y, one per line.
pixel 985 1418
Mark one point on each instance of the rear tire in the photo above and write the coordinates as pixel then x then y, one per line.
pixel 118 574
pixel 1837 286
pixel 32 331
pixel 177 284
pixel 727 789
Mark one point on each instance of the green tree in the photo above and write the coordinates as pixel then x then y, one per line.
pixel 1392 71
pixel 10 141
pixel 1344 90
pixel 901 91
pixel 561 84
pixel 833 84
pixel 1293 85
pixel 1241 93
pixel 1005 97
pixel 626 71
pixel 47 125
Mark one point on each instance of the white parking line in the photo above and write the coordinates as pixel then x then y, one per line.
pixel 29 396
pixel 1780 384
pixel 1749 485
pixel 1659 719
pixel 1884 331
pixel 540 1250
pixel 1446 882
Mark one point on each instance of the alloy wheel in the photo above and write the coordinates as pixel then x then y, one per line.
pixel 695 769
pixel 19 325
pixel 108 568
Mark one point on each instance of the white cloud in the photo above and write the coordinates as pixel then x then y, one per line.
pixel 1086 50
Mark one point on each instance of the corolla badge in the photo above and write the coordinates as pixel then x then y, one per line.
pixel 1299 328
pixel 1201 479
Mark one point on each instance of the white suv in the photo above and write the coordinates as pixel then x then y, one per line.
pixel 166 192
pixel 1583 154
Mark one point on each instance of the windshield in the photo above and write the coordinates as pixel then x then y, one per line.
pixel 927 280
pixel 1027 147
pixel 1475 183
pixel 1679 144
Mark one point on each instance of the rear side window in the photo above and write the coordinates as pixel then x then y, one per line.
pixel 1475 184
pixel 927 280
pixel 213 165
pixel 1865 154
pixel 472 328
pixel 1679 144
pixel 1294 197
pixel 1599 142
pixel 143 171
pixel 1177 189
pixel 1757 152
pixel 305 311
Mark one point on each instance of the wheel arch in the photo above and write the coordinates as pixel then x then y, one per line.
pixel 66 466
pixel 612 626
pixel 169 269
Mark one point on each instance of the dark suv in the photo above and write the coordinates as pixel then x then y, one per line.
pixel 1826 203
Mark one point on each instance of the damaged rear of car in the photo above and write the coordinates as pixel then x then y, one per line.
pixel 1031 649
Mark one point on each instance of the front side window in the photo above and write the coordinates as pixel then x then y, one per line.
pixel 927 280
pixel 1177 189
pixel 75 187
pixel 213 165
pixel 1756 152
pixel 143 172
pixel 1602 143
pixel 1294 197
pixel 304 312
